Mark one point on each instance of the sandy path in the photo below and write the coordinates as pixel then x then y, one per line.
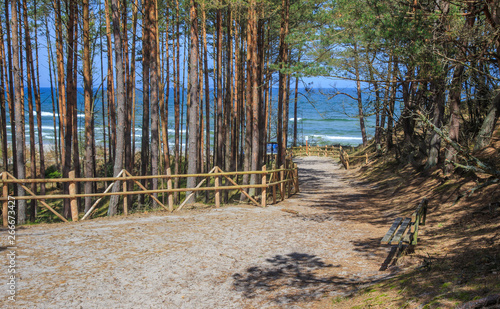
pixel 232 257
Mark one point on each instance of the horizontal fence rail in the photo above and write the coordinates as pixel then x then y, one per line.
pixel 283 180
pixel 325 151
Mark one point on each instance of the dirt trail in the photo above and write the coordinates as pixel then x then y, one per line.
pixel 232 257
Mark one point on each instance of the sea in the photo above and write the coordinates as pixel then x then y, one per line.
pixel 322 119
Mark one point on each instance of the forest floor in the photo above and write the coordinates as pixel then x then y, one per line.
pixel 318 249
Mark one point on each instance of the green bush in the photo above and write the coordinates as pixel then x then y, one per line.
pixel 52 172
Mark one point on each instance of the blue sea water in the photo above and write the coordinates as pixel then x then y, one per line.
pixel 319 120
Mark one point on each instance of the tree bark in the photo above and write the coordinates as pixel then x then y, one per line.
pixel 19 106
pixel 110 88
pixel 31 120
pixel 87 84
pixel 152 24
pixel 254 92
pixel 12 109
pixel 3 102
pixel 194 100
pixel 283 56
pixel 120 98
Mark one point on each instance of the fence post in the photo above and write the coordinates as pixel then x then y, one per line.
pixel 125 196
pixel 169 187
pixel 274 186
pixel 282 185
pixel 264 189
pixel 73 201
pixel 5 206
pixel 296 176
pixel 217 192
pixel 289 178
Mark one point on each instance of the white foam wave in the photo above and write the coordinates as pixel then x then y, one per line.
pixel 334 138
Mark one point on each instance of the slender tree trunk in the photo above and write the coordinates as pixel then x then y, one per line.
pixel 236 109
pixel 3 102
pixel 247 158
pixel 19 106
pixel 61 100
pixel 31 120
pixel 359 96
pixel 102 92
pixel 164 113
pixel 207 88
pixel 38 103
pixel 87 84
pixel 391 102
pixel 254 91
pixel 194 99
pixel 454 129
pixel 283 54
pixel 228 94
pixel 220 142
pixel 177 101
pixel 152 24
pixel 76 149
pixel 120 98
pixel 128 163
pixel 296 94
pixel 110 89
pixel 12 109
pixel 146 62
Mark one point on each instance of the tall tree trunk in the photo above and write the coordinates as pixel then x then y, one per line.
pixel 177 100
pixel 103 106
pixel 3 101
pixel 194 99
pixel 295 101
pixel 438 98
pixel 110 88
pixel 391 101
pixel 247 157
pixel 120 98
pixel 76 149
pixel 163 99
pixel 146 62
pixel 87 84
pixel 63 119
pixel 220 142
pixel 228 94
pixel 52 68
pixel 207 87
pixel 283 56
pixel 19 106
pixel 236 109
pixel 31 120
pixel 359 96
pixel 152 24
pixel 128 163
pixel 254 91
pixel 12 109
pixel 164 112
pixel 38 103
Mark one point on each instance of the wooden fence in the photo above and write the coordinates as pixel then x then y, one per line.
pixel 283 180
pixel 326 151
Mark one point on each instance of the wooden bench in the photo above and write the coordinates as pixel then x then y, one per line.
pixel 405 230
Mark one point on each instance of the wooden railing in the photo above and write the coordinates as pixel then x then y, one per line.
pixel 326 151
pixel 283 180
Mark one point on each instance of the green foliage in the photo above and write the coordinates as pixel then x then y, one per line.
pixel 52 172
